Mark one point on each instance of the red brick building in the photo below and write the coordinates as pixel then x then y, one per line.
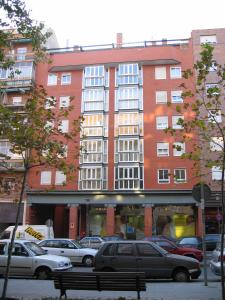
pixel 130 179
pixel 125 182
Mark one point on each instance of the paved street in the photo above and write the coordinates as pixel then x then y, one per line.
pixel 28 289
pixel 156 290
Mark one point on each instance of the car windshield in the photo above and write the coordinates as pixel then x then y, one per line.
pixel 34 248
pixel 77 244
pixel 160 249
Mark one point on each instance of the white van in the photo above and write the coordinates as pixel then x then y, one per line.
pixel 29 232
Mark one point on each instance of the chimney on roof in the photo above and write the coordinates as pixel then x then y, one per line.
pixel 119 40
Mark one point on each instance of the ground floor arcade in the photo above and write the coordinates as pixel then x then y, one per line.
pixel 133 215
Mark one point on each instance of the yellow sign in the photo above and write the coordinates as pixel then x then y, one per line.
pixel 36 234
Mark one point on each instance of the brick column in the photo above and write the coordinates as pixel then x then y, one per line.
pixel 27 212
pixel 148 220
pixel 199 222
pixel 110 220
pixel 73 221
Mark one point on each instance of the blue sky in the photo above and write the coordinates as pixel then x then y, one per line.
pixel 91 22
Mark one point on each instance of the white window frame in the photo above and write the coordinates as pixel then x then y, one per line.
pixel 161 97
pixel 164 180
pixel 93 177
pixel 176 97
pixel 94 76
pixel 161 122
pixel 129 150
pixel 60 178
pixel 215 116
pixel 175 72
pixel 129 182
pixel 94 99
pixel 16 100
pixel 94 151
pixel 130 123
pixel 48 105
pixel 5 149
pixel 52 79
pixel 208 39
pixel 46 178
pixel 160 73
pixel 177 152
pixel 216 173
pixel 180 170
pixel 66 79
pixel 213 67
pixel 21 53
pixel 128 74
pixel 163 149
pixel 129 97
pixel 64 126
pixel 64 101
pixel 216 144
pixel 175 119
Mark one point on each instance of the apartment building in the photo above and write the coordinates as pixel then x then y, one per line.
pixel 16 83
pixel 215 37
pixel 13 95
pixel 130 178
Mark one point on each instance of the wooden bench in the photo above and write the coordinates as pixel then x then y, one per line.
pixel 99 281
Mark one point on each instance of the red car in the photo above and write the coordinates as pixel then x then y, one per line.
pixel 173 248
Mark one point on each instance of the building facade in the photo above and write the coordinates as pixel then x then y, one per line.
pixel 131 178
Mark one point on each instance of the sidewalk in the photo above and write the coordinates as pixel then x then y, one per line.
pixel 25 289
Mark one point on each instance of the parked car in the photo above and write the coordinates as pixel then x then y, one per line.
pixel 29 259
pixel 190 241
pixel 211 241
pixel 92 241
pixel 173 248
pixel 125 256
pixel 112 238
pixel 69 248
pixel 215 264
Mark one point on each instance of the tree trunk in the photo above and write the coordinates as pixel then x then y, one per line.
pixel 13 236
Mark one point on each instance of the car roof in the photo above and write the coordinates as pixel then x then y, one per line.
pixel 128 241
pixel 16 240
pixel 57 239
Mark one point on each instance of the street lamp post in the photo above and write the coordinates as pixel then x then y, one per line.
pixel 201 192
pixel 203 234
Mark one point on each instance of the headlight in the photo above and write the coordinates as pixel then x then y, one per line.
pixel 61 264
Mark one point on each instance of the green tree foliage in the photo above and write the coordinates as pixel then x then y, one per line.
pixel 203 124
pixel 35 134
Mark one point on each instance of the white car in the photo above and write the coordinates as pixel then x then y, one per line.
pixel 94 242
pixel 29 259
pixel 69 248
pixel 215 264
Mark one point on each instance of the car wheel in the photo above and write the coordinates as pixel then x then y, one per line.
pixel 43 273
pixel 181 276
pixel 88 261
